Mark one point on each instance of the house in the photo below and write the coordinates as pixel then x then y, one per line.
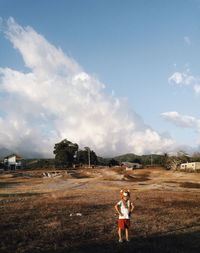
pixel 131 166
pixel 194 166
pixel 13 162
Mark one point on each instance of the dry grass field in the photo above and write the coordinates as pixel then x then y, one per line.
pixel 74 211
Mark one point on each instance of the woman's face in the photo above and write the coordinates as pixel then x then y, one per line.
pixel 126 197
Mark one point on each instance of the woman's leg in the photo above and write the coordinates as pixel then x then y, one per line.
pixel 120 233
pixel 126 232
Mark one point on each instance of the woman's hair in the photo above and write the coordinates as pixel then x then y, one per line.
pixel 123 193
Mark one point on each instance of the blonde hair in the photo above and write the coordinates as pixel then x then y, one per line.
pixel 125 203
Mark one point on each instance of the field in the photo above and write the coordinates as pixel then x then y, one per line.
pixel 74 211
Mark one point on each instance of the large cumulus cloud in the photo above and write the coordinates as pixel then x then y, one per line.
pixel 57 99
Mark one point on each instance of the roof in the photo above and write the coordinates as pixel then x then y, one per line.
pixel 129 163
pixel 190 163
pixel 17 156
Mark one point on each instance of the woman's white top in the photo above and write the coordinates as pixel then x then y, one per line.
pixel 124 210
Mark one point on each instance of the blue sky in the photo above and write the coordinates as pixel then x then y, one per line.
pixel 133 47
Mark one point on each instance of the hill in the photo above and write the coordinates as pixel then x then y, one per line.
pixel 143 159
pixel 130 157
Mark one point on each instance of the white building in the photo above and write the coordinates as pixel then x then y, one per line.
pixel 131 166
pixel 194 166
pixel 13 162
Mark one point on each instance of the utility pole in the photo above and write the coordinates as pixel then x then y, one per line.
pixel 88 150
pixel 75 154
pixel 89 157
pixel 151 160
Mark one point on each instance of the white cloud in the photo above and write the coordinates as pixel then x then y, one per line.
pixel 183 121
pixel 185 78
pixel 177 77
pixel 182 78
pixel 58 100
pixel 187 40
pixel 197 88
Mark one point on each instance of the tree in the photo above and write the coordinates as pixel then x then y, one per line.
pixel 165 158
pixel 136 160
pixel 93 158
pixel 65 153
pixel 113 162
pixel 87 156
pixel 174 162
pixel 183 156
pixel 161 160
pixel 87 149
pixel 82 157
pixel 196 157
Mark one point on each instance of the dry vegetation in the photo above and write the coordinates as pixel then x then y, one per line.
pixel 75 212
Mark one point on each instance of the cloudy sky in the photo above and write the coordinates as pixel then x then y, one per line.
pixel 118 76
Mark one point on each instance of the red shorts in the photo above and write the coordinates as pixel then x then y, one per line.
pixel 124 223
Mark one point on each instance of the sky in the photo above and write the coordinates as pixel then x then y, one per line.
pixel 117 76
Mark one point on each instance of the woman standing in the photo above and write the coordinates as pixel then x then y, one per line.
pixel 124 208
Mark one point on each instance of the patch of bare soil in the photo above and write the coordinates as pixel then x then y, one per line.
pixel 75 212
pixel 136 178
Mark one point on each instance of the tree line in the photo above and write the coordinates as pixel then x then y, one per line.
pixel 164 160
pixel 67 154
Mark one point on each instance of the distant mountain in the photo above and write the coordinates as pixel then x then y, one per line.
pixel 143 159
pixel 130 157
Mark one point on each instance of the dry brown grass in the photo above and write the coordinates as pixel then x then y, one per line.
pixel 36 220
pixel 190 185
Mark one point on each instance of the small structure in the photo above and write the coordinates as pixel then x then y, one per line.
pixel 192 167
pixel 13 162
pixel 131 166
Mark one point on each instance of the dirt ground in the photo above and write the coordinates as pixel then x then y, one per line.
pixel 73 211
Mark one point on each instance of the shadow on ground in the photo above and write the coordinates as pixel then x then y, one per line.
pixel 173 243
pixel 7 184
pixel 27 194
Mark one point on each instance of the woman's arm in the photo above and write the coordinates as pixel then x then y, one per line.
pixel 132 207
pixel 118 210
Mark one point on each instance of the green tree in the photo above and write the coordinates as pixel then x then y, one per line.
pixel 82 157
pixel 65 153
pixel 88 150
pixel 136 160
pixel 160 160
pixel 164 160
pixel 87 156
pixel 113 162
pixel 93 158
